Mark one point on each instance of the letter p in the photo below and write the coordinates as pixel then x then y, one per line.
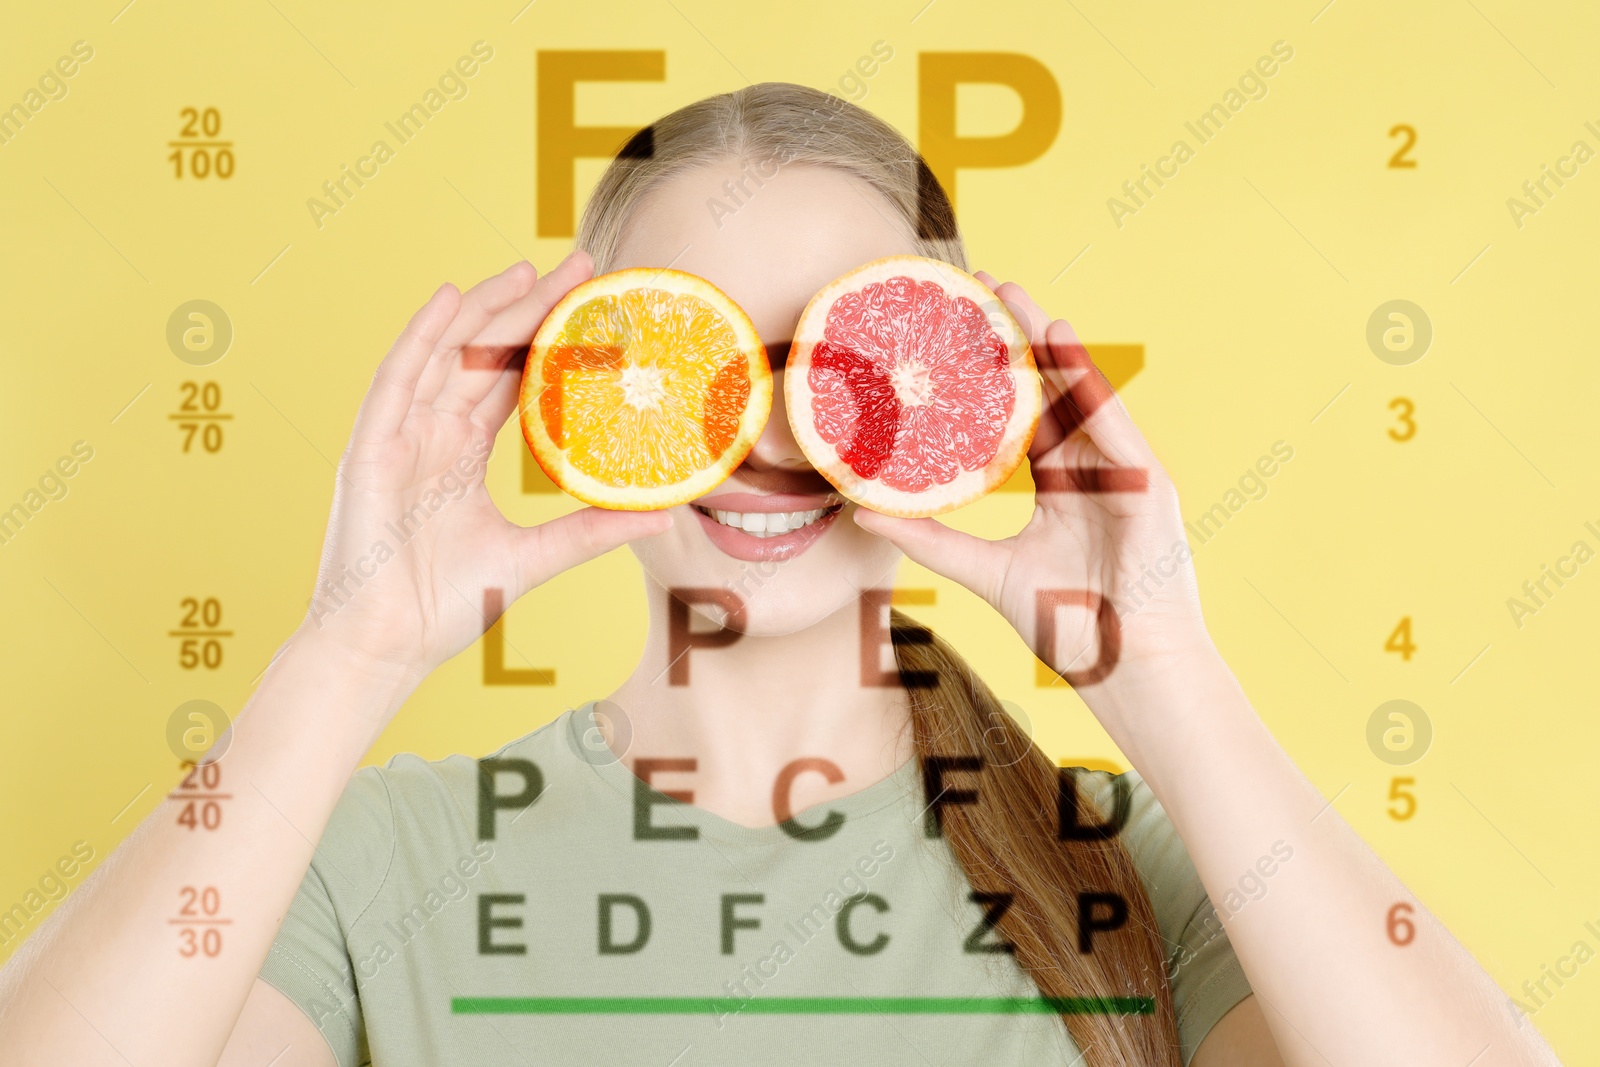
pixel 681 640
pixel 939 74
pixel 491 801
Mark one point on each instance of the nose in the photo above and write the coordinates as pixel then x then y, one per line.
pixel 776 449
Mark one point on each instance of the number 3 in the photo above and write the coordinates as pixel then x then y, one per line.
pixel 1405 410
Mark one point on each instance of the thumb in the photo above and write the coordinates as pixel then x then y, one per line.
pixel 972 561
pixel 546 550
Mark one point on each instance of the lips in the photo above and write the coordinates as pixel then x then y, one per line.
pixel 766 526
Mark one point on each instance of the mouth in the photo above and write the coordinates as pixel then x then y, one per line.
pixel 763 532
pixel 765 524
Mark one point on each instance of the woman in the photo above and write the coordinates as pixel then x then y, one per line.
pixel 791 828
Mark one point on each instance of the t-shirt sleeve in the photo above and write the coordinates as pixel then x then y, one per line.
pixel 1206 977
pixel 309 961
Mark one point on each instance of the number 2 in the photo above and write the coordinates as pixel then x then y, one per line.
pixel 210 122
pixel 208 898
pixel 1399 161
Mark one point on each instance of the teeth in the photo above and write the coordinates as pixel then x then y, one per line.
pixel 766 523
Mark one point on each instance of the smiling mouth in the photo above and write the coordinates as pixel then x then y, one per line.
pixel 768 523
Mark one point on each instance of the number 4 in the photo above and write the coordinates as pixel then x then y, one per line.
pixel 1396 793
pixel 1400 640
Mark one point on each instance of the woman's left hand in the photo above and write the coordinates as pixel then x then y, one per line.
pixel 1105 521
pixel 1178 714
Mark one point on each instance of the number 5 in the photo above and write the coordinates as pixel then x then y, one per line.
pixel 1396 793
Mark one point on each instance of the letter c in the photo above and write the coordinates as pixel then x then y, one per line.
pixel 783 786
pixel 1561 571
pixel 842 925
pixel 363 171
pixel 1563 173
pixel 1162 172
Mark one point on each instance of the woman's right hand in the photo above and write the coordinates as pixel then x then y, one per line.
pixel 414 540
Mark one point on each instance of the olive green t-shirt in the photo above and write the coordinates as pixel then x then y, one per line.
pixel 526 914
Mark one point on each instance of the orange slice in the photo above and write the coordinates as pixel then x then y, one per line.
pixel 911 387
pixel 644 388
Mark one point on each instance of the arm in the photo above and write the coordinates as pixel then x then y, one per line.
pixel 1315 946
pixel 273 1031
pixel 102 981
pixel 1241 1038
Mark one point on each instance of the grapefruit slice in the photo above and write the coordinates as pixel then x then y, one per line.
pixel 911 387
pixel 644 388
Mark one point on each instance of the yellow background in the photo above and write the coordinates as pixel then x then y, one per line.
pixel 1248 279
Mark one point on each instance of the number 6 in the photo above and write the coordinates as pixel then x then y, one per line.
pixel 1401 930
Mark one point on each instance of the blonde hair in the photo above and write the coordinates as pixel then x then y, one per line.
pixel 1006 842
pixel 776 124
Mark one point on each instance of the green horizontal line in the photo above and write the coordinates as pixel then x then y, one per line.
pixel 802 1005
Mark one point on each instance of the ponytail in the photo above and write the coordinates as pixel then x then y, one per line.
pixel 1006 842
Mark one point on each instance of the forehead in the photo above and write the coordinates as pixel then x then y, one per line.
pixel 770 241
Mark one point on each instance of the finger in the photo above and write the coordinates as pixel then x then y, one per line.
pixel 1089 402
pixel 1055 423
pixel 1076 394
pixel 506 334
pixel 478 307
pixel 1025 310
pixel 394 386
pixel 546 550
pixel 1027 316
pixel 1062 361
pixel 977 564
pixel 501 399
pixel 1033 323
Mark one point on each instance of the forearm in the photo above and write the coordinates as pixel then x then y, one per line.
pixel 105 980
pixel 1316 944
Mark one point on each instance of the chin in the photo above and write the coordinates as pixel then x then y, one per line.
pixel 786 580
